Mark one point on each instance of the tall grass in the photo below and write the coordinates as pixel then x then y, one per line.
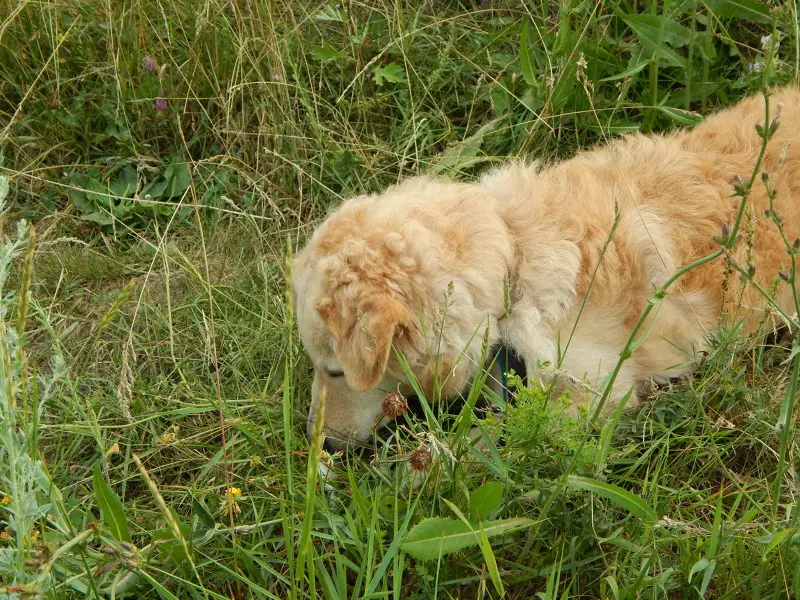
pixel 167 150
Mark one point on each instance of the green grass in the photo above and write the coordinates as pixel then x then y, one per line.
pixel 157 326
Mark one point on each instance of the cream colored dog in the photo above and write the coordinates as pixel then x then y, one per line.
pixel 426 267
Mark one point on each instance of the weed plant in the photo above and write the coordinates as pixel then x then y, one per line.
pixel 153 392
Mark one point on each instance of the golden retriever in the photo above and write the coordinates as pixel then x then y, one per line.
pixel 431 267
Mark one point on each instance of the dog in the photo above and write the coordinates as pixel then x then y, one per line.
pixel 558 262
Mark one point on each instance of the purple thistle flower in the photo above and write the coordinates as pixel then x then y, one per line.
pixel 149 63
pixel 160 104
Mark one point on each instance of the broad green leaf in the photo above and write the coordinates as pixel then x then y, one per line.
pixel 393 73
pixel 110 507
pixel 706 566
pixel 707 578
pixel 740 9
pixel 77 193
pixel 525 56
pixel 331 13
pixel 178 179
pixel 622 498
pixel 564 89
pixel 434 537
pixel 98 193
pixel 100 217
pixel 612 583
pixel 155 189
pixel 466 152
pixel 124 184
pixel 501 99
pixel 169 544
pixel 484 500
pixel 636 64
pixel 563 45
pixel 700 565
pixel 203 514
pixel 324 52
pixel 653 27
pixel 657 34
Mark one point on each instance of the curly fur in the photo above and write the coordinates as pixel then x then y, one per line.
pixel 432 266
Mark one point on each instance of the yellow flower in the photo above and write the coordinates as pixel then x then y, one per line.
pixel 255 461
pixel 6 500
pixel 229 504
pixel 167 438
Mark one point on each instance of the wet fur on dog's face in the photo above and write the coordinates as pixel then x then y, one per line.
pixel 425 268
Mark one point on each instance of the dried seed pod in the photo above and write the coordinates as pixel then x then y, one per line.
pixel 394 405
pixel 420 459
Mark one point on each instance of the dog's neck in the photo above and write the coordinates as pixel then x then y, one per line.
pixel 544 274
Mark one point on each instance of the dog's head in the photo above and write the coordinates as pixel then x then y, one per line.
pixel 416 272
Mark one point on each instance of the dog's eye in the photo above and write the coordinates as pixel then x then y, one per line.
pixel 334 373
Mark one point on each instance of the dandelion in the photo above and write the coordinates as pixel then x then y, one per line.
pixel 149 63
pixel 160 104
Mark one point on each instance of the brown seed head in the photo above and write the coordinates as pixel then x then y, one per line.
pixel 394 405
pixel 420 459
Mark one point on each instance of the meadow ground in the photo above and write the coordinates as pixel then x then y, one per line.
pixel 171 154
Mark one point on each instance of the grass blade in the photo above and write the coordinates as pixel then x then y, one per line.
pixel 622 498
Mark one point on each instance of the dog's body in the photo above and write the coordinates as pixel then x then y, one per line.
pixel 427 266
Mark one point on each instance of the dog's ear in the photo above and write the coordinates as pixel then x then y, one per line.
pixel 363 337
